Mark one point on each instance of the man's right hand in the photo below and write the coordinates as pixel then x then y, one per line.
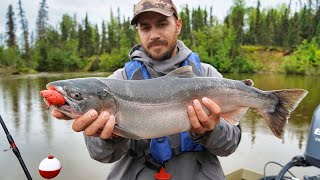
pixel 91 123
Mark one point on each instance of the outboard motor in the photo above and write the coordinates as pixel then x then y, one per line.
pixel 312 154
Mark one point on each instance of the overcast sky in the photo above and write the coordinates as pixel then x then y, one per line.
pixel 99 10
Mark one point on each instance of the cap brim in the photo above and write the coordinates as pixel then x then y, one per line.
pixel 157 10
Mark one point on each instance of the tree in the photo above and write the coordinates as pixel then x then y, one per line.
pixel 11 37
pixel 96 40
pixel 294 34
pixel 103 46
pixel 198 19
pixel 88 38
pixel 237 19
pixel 258 25
pixel 270 27
pixel 112 33
pixel 186 28
pixel 25 33
pixel 42 20
pixel 66 28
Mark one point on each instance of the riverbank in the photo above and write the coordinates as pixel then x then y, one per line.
pixel 265 59
pixel 268 58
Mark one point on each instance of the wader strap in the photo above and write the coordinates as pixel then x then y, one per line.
pixel 144 156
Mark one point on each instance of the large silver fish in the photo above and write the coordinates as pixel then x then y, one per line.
pixel 157 107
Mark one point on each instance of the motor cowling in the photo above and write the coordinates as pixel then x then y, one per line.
pixel 312 153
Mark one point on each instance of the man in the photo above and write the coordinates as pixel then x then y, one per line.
pixel 188 155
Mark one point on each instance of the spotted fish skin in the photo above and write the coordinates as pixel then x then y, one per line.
pixel 157 107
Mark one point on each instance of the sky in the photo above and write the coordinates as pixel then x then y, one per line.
pixel 99 10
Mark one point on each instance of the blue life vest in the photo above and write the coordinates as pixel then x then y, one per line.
pixel 160 147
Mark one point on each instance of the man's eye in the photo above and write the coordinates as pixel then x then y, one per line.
pixel 144 28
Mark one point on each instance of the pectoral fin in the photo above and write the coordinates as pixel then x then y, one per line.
pixel 234 117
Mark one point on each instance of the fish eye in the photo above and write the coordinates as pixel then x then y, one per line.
pixel 76 96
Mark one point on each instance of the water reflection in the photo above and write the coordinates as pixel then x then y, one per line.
pixel 300 119
pixel 25 114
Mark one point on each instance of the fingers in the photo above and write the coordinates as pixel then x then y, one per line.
pixel 213 108
pixel 193 118
pixel 200 121
pixel 59 115
pixel 211 105
pixel 84 121
pixel 97 124
pixel 108 128
pixel 201 114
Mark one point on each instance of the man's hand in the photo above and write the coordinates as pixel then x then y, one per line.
pixel 92 124
pixel 200 121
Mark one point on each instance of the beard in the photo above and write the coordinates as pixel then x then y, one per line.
pixel 157 54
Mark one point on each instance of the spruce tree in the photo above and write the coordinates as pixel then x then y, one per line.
pixel 42 20
pixel 11 36
pixel 25 32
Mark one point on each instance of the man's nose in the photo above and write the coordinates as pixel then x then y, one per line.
pixel 155 34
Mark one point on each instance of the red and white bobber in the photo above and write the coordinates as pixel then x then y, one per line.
pixel 49 167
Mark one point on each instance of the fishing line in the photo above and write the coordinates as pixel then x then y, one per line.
pixel 49 167
pixel 49 130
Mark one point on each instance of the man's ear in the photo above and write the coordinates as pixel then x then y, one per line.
pixel 179 25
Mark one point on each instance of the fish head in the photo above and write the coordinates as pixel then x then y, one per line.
pixel 81 95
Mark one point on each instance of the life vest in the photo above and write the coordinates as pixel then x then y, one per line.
pixel 160 147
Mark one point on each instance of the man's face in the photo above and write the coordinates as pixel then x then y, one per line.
pixel 158 34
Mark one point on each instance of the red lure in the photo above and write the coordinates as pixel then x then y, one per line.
pixel 53 97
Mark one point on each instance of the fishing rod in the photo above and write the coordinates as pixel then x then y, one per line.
pixel 15 149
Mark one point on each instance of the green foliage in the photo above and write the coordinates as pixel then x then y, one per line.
pixel 232 46
pixel 9 57
pixel 50 58
pixel 305 60
pixel 113 61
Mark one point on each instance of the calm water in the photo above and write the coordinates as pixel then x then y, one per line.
pixel 37 134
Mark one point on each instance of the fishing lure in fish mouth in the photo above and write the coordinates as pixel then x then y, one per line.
pixel 53 97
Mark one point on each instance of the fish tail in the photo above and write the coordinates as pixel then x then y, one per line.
pixel 288 100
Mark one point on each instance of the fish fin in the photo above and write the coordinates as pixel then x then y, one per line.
pixel 184 72
pixel 234 117
pixel 288 100
pixel 125 133
pixel 248 82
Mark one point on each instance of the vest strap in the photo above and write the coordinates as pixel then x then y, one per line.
pixel 160 149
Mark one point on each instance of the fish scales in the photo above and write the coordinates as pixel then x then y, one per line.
pixel 157 107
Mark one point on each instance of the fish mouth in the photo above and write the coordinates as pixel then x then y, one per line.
pixel 69 108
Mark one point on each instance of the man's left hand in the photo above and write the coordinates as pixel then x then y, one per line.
pixel 200 121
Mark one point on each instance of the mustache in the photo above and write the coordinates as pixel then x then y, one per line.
pixel 157 42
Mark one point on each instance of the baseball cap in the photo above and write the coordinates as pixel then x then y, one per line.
pixel 165 7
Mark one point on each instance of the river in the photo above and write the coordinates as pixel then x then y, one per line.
pixel 37 134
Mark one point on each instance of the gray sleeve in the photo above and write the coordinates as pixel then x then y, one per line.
pixel 222 140
pixel 209 71
pixel 110 150
pixel 118 74
pixel 106 151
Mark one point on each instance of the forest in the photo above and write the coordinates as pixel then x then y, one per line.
pixel 243 42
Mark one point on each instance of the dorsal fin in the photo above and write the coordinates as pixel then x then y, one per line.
pixel 248 82
pixel 184 72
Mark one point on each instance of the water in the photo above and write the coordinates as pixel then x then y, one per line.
pixel 37 133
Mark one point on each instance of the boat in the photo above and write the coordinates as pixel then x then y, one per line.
pixel 243 174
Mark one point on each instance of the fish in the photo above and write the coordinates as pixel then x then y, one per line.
pixel 157 107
